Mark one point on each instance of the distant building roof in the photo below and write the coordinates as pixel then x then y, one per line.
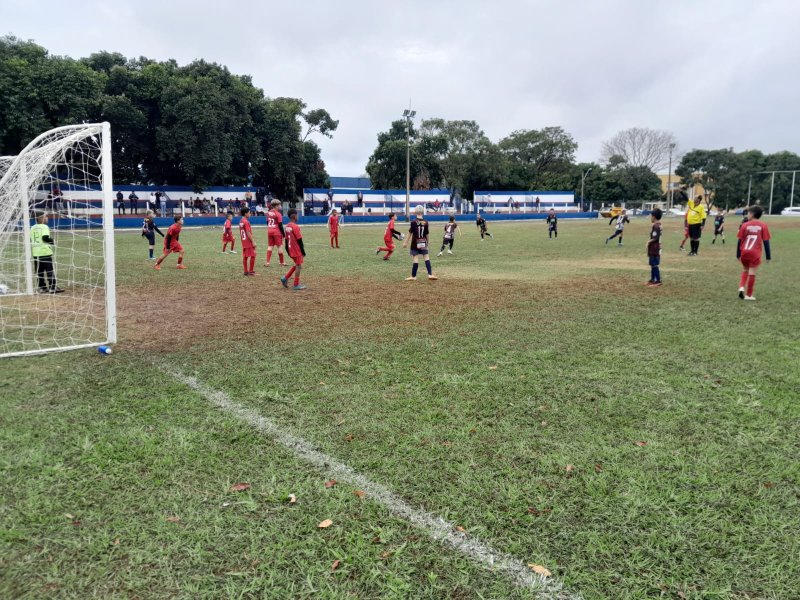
pixel 353 183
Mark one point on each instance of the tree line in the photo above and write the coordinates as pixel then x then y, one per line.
pixel 197 124
pixel 457 155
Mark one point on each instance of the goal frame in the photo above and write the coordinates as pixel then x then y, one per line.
pixel 109 266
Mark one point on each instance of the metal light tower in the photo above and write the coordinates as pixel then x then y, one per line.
pixel 408 114
pixel 669 175
pixel 583 180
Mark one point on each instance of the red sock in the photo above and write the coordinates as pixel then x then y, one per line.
pixel 269 255
pixel 751 283
pixel 180 259
pixel 743 279
pixel 297 280
pixel 244 263
pixel 280 258
pixel 225 245
pixel 290 273
pixel 331 241
pixel 233 245
pixel 252 264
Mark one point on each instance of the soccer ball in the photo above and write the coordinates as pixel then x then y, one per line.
pixel 402 236
pixel 3 289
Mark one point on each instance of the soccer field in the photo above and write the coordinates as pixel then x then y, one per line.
pixel 538 402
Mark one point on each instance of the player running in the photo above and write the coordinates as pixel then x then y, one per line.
pixel 419 231
pixel 752 235
pixel 552 224
pixel 333 228
pixel 449 239
pixel 172 243
pixel 719 227
pixel 149 229
pixel 275 233
pixel 620 226
pixel 294 246
pixel 248 243
pixel 388 238
pixel 481 222
pixel 227 234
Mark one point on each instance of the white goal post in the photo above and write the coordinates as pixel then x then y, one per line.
pixel 58 292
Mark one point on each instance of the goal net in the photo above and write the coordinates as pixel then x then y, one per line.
pixel 57 291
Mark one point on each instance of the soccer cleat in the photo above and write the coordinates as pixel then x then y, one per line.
pixel 449 251
pixel 606 241
pixel 181 266
pixel 714 241
pixel 438 255
pixel 55 290
pixel 44 290
pixel 284 282
pixel 385 258
pixel 432 277
pixel 298 287
pixel 620 244
pixel 749 297
pixel 412 278
pixel 741 293
pixel 246 274
pixel 157 267
pixel 231 251
pixel 681 249
pixel 378 251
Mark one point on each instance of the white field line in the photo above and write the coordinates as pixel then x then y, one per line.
pixel 435 526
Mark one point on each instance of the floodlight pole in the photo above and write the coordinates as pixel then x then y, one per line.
pixel 749 187
pixel 408 114
pixel 669 175
pixel 791 196
pixel 771 189
pixel 583 180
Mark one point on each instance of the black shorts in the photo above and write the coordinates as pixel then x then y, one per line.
pixel 151 237
pixel 695 230
pixel 718 230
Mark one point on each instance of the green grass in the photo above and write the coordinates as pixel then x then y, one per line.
pixel 468 397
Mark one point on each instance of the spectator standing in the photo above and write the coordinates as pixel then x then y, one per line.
pixel 134 200
pixel 120 203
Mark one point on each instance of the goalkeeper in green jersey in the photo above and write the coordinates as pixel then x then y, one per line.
pixel 42 250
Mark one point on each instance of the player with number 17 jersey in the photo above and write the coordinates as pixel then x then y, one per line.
pixel 752 236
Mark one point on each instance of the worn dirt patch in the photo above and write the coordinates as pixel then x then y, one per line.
pixel 205 316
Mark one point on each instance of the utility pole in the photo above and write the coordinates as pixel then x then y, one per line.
pixel 771 189
pixel 408 114
pixel 583 180
pixel 669 175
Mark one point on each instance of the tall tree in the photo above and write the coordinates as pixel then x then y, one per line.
pixel 534 156
pixel 642 147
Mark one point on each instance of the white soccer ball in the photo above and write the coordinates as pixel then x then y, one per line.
pixel 3 289
pixel 402 236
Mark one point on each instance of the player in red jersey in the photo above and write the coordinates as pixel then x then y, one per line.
pixel 275 232
pixel 752 235
pixel 685 234
pixel 248 243
pixel 294 246
pixel 227 235
pixel 171 244
pixel 333 228
pixel 388 238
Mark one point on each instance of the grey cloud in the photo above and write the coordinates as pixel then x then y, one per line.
pixel 716 73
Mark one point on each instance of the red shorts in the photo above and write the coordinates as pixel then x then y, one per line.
pixel 298 260
pixel 389 241
pixel 176 247
pixel 274 238
pixel 249 252
pixel 227 237
pixel 750 261
pixel 334 232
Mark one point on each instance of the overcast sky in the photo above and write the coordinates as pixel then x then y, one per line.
pixel 715 73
